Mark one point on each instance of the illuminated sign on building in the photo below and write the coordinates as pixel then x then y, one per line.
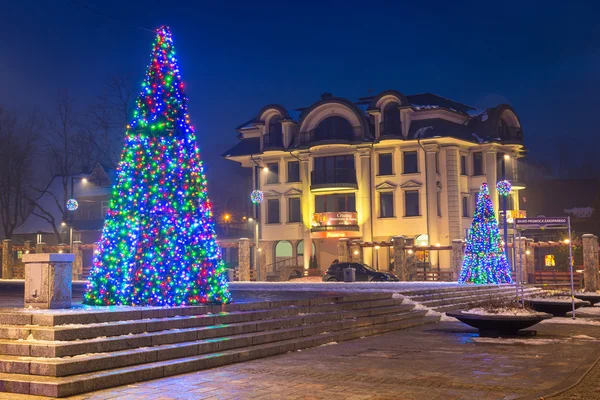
pixel 342 218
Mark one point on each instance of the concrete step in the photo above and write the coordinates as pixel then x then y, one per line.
pixel 462 305
pixel 35 348
pixel 466 291
pixel 90 315
pixel 124 327
pixel 93 362
pixel 465 299
pixel 440 290
pixel 86 382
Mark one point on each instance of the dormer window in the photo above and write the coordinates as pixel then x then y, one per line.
pixel 274 136
pixel 391 120
pixel 332 128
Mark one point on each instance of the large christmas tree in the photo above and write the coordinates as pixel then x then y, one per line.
pixel 485 260
pixel 158 244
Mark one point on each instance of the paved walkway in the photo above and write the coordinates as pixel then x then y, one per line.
pixel 439 361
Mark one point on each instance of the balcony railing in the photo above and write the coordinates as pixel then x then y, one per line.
pixel 390 130
pixel 315 136
pixel 339 178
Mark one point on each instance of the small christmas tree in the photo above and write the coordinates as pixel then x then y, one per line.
pixel 485 261
pixel 158 245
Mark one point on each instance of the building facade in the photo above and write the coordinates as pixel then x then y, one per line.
pixel 383 166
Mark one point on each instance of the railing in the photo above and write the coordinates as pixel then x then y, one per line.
pixel 339 177
pixel 440 276
pixel 557 278
pixel 390 130
pixel 314 136
pixel 273 141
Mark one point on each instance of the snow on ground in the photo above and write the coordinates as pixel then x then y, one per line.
pixel 396 287
pixel 502 311
pixel 571 321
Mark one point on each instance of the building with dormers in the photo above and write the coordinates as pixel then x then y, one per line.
pixel 383 166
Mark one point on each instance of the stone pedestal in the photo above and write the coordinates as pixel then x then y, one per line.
pixel 262 260
pixel 457 256
pixel 356 253
pixel 48 280
pixel 343 250
pixel 520 249
pixel 400 262
pixel 244 259
pixel 590 262
pixel 7 259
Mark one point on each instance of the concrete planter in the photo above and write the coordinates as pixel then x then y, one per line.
pixel 558 308
pixel 593 298
pixel 499 325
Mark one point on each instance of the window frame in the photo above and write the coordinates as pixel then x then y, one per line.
pixel 465 207
pixel 268 213
pixel 464 165
pixel 391 155
pixel 417 192
pixel 271 173
pixel 288 171
pixel 393 208
pixel 289 213
pixel 482 172
pixel 417 171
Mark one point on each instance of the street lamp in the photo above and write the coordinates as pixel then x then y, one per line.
pixel 72 206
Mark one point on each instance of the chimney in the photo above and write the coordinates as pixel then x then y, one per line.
pixel 326 95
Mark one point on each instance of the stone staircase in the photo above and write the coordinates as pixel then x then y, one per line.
pixel 460 298
pixel 65 352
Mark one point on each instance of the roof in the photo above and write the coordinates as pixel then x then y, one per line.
pixel 244 147
pixel 429 128
pixel 430 100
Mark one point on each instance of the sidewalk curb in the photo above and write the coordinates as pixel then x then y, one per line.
pixel 572 380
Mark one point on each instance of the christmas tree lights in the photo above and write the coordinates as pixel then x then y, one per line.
pixel 485 261
pixel 158 245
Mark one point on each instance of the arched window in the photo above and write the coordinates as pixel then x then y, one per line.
pixel 332 128
pixel 283 249
pixel 300 248
pixel 274 137
pixel 391 120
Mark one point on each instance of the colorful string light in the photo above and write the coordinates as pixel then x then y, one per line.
pixel 158 245
pixel 504 188
pixel 72 205
pixel 485 260
pixel 256 196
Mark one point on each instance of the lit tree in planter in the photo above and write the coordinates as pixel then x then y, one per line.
pixel 158 245
pixel 485 260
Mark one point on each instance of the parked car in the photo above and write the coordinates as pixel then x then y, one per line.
pixel 364 273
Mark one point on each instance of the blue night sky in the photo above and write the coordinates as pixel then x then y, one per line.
pixel 542 57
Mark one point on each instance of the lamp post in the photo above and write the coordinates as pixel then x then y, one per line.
pixel 504 159
pixel 72 206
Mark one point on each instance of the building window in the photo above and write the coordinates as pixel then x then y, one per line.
pixel 463 165
pixel 386 204
pixel 333 128
pixel 391 120
pixel 336 169
pixel 439 203
pixel 293 171
pixel 549 260
pixel 104 209
pixel 335 203
pixel 410 162
pixel 273 173
pixel 272 211
pixel 274 138
pixel 465 207
pixel 294 213
pixel 385 164
pixel 437 162
pixel 478 163
pixel 411 203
